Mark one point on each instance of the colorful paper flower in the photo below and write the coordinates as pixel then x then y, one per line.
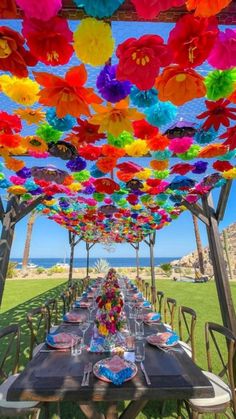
pixel 31 116
pixel 222 166
pixel 143 98
pixel 10 140
pixel 140 60
pixel 191 154
pixel 220 83
pixel 48 133
pixel 230 138
pixel 181 168
pixel 8 9
pixel 109 87
pixel 14 164
pixel 121 141
pixel 144 130
pixel 109 150
pixel 206 8
pixel 159 165
pixel 93 42
pixel 115 119
pixel 162 155
pixel 99 8
pixel 180 85
pixel 76 165
pixel 23 91
pixel 138 148
pixel 150 9
pixel 162 113
pixel 192 39
pixel 42 10
pixel 180 145
pixel 90 152
pixel 106 164
pixel 106 185
pixel 203 136
pixel 9 124
pixel 49 41
pixel 68 95
pixel 85 133
pixel 13 56
pixel 16 190
pixel 218 114
pixel 157 142
pixel 213 150
pixel 200 167
pixel 34 143
pixel 60 124
pixel 230 174
pixel 223 53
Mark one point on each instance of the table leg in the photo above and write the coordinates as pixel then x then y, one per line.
pixel 90 412
pixel 133 409
pixel 111 412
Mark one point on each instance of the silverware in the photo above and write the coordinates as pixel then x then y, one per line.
pixel 145 374
pixel 86 367
pixel 169 349
pixel 90 369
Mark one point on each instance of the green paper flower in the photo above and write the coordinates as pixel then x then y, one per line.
pixel 125 138
pixel 192 153
pixel 81 176
pixel 48 133
pixel 161 174
pixel 220 83
pixel 99 197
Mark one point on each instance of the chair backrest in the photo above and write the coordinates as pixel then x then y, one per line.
pixel 10 350
pixel 74 292
pixel 52 308
pixel 170 305
pixel 66 300
pixel 147 291
pixel 38 322
pixel 223 342
pixel 187 323
pixel 143 286
pixel 159 301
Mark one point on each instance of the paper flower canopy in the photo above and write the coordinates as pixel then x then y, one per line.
pixel 13 56
pixel 180 86
pixel 99 8
pixel 140 60
pixel 220 83
pixel 85 133
pixel 7 9
pixel 109 87
pixel 206 8
pixel 68 95
pixel 43 9
pixel 115 119
pixel 21 90
pixel 49 41
pixel 93 42
pixel 223 54
pixel 218 113
pixel 149 9
pixel 192 39
pixel 31 116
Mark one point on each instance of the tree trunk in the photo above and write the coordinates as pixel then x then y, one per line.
pixel 28 241
pixel 226 249
pixel 199 244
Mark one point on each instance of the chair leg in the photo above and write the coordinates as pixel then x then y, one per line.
pixel 163 408
pixel 36 414
pixel 179 403
pixel 195 415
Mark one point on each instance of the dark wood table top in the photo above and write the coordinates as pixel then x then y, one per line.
pixel 57 376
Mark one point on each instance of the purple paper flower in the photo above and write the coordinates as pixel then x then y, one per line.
pixel 76 165
pixel 24 173
pixel 109 88
pixel 200 167
pixel 89 190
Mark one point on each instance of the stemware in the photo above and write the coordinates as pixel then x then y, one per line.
pixel 90 310
pixel 139 351
pixel 84 327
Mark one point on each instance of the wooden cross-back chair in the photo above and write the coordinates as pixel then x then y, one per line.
pixel 170 305
pixel 10 349
pixel 187 322
pixel 225 395
pixel 74 292
pixel 159 301
pixel 52 308
pixel 66 301
pixel 38 323
pixel 143 286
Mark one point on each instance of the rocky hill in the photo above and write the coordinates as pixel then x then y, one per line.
pixel 228 237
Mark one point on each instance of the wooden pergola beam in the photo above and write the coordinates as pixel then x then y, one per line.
pixel 22 210
pixel 197 210
pixel 223 200
pixel 2 211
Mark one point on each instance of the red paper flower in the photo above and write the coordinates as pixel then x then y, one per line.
pixel 110 150
pixel 13 55
pixel 153 182
pixel 143 130
pixel 218 114
pixel 158 142
pixel 181 168
pixel 192 39
pixel 89 152
pixel 222 166
pixel 149 9
pixel 85 133
pixel 7 9
pixel 230 136
pixel 106 164
pixel 9 123
pixel 68 94
pixel 129 167
pixel 123 176
pixel 106 185
pixel 49 41
pixel 10 140
pixel 140 60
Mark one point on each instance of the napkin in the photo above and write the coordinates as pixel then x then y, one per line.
pixel 116 370
pixel 82 304
pixel 74 317
pixel 60 338
pixel 152 317
pixel 146 304
pixel 166 338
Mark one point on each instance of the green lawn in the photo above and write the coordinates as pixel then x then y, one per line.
pixel 22 295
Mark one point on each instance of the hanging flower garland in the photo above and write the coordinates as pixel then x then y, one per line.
pixel 109 87
pixel 206 8
pixel 42 10
pixel 99 8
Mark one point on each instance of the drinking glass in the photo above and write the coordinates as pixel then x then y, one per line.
pixel 131 307
pixel 139 351
pixel 139 329
pixel 84 327
pixel 76 349
pixel 90 310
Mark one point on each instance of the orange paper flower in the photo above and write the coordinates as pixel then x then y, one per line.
pixel 213 150
pixel 159 164
pixel 106 164
pixel 115 118
pixel 7 9
pixel 68 94
pixel 206 8
pixel 158 142
pixel 34 143
pixel 31 116
pixel 180 86
pixel 111 151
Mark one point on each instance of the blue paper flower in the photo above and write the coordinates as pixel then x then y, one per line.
pixel 205 137
pixel 24 173
pixel 109 88
pixel 76 165
pixel 61 124
pixel 99 8
pixel 180 182
pixel 200 167
pixel 4 184
pixel 162 113
pixel 162 155
pixel 143 98
pixel 95 172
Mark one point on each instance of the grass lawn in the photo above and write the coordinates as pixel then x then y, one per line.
pixel 22 295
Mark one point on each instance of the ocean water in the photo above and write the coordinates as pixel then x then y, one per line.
pixel 81 262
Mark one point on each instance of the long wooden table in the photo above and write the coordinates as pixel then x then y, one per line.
pixel 57 376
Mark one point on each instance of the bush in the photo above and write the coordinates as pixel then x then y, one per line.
pixel 101 266
pixel 40 270
pixel 56 269
pixel 11 270
pixel 167 268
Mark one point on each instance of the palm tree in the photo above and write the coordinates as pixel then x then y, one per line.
pixel 30 225
pixel 199 244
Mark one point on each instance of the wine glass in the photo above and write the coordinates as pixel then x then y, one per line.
pixel 84 327
pixel 90 310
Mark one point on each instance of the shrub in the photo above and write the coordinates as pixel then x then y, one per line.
pixel 167 268
pixel 101 266
pixel 57 269
pixel 40 270
pixel 11 270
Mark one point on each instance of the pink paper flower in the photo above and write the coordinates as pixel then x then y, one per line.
pixel 223 54
pixel 180 145
pixel 40 9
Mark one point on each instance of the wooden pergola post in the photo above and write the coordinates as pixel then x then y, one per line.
pixel 211 218
pixel 136 247
pixel 88 247
pixel 14 212
pixel 151 244
pixel 72 243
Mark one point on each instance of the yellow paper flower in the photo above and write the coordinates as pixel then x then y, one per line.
pixel 50 203
pixel 75 187
pixel 137 149
pixel 116 118
pixel 20 150
pixel 31 116
pixel 35 143
pixel 144 174
pixel 230 174
pixel 93 42
pixel 137 207
pixel 17 190
pixel 23 91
